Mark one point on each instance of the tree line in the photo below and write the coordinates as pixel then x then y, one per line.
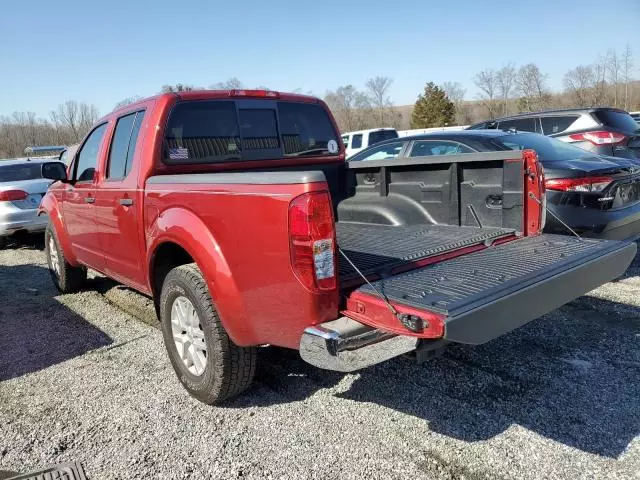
pixel 609 81
pixel 66 125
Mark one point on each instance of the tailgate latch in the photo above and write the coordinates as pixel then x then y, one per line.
pixel 413 322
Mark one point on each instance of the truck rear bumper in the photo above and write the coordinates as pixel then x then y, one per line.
pixel 345 345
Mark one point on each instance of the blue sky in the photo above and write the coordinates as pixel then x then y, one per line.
pixel 102 52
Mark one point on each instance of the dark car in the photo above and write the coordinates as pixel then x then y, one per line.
pixel 606 131
pixel 596 195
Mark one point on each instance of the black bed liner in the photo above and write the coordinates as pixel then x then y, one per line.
pixel 375 249
pixel 461 284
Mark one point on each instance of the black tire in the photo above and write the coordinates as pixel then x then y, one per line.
pixel 229 369
pixel 3 242
pixel 68 279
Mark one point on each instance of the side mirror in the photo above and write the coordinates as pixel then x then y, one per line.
pixel 54 171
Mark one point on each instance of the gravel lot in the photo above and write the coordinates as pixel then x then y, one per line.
pixel 82 378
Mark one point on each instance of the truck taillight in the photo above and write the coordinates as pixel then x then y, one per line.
pixel 534 190
pixel 598 138
pixel 312 240
pixel 254 93
pixel 13 195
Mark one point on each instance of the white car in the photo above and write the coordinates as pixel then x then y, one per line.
pixel 21 189
pixel 361 139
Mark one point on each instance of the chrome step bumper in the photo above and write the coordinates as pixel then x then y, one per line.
pixel 345 345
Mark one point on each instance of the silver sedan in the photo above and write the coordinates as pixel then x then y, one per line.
pixel 21 189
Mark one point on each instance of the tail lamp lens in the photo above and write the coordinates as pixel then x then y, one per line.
pixel 13 195
pixel 312 241
pixel 598 138
pixel 583 184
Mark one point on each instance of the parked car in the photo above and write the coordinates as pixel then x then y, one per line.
pixel 354 142
pixel 237 213
pixel 596 195
pixel 605 131
pixel 21 189
pixel 67 154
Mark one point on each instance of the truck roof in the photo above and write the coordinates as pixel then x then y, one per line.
pixel 215 94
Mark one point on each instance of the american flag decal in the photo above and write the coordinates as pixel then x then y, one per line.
pixel 178 153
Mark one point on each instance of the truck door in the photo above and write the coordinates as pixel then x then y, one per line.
pixel 119 203
pixel 79 201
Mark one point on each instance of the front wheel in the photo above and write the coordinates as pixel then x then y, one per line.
pixel 66 277
pixel 209 365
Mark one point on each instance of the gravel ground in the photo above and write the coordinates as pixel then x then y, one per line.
pixel 82 378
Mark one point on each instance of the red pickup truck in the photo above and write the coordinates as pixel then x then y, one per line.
pixel 236 211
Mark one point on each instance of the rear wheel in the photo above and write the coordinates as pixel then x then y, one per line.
pixel 209 365
pixel 3 242
pixel 66 277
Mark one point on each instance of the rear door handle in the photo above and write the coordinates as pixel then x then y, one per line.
pixel 127 202
pixel 89 200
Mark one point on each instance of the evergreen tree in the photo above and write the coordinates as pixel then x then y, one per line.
pixel 433 109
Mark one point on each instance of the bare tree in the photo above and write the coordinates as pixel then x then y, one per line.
pixel 178 87
pixel 75 117
pixel 378 90
pixel 350 107
pixel 505 79
pixel 127 101
pixel 531 86
pixel 613 65
pixel 627 69
pixel 580 84
pixel 232 83
pixel 456 92
pixel 488 85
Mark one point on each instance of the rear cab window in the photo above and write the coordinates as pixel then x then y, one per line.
pixel 381 135
pixel 617 120
pixel 210 131
pixel 356 141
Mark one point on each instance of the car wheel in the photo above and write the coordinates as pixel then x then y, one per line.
pixel 3 242
pixel 66 277
pixel 208 364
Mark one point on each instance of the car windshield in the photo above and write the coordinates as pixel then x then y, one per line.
pixel 17 173
pixel 548 149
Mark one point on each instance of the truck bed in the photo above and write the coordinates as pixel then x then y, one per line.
pixel 379 249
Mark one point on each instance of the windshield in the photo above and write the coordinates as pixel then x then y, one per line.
pixel 226 130
pixel 17 173
pixel 548 149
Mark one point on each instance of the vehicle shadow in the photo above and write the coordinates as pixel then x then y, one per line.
pixel 634 268
pixel 571 376
pixel 37 330
pixel 33 241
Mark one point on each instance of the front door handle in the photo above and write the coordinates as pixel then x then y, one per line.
pixel 127 202
pixel 89 200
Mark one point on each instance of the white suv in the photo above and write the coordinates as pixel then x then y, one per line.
pixel 357 141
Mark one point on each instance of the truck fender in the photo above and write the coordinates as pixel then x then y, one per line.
pixel 49 205
pixel 183 228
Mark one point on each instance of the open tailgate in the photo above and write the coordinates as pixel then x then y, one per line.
pixel 476 297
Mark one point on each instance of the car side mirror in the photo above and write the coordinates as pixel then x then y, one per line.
pixel 54 171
